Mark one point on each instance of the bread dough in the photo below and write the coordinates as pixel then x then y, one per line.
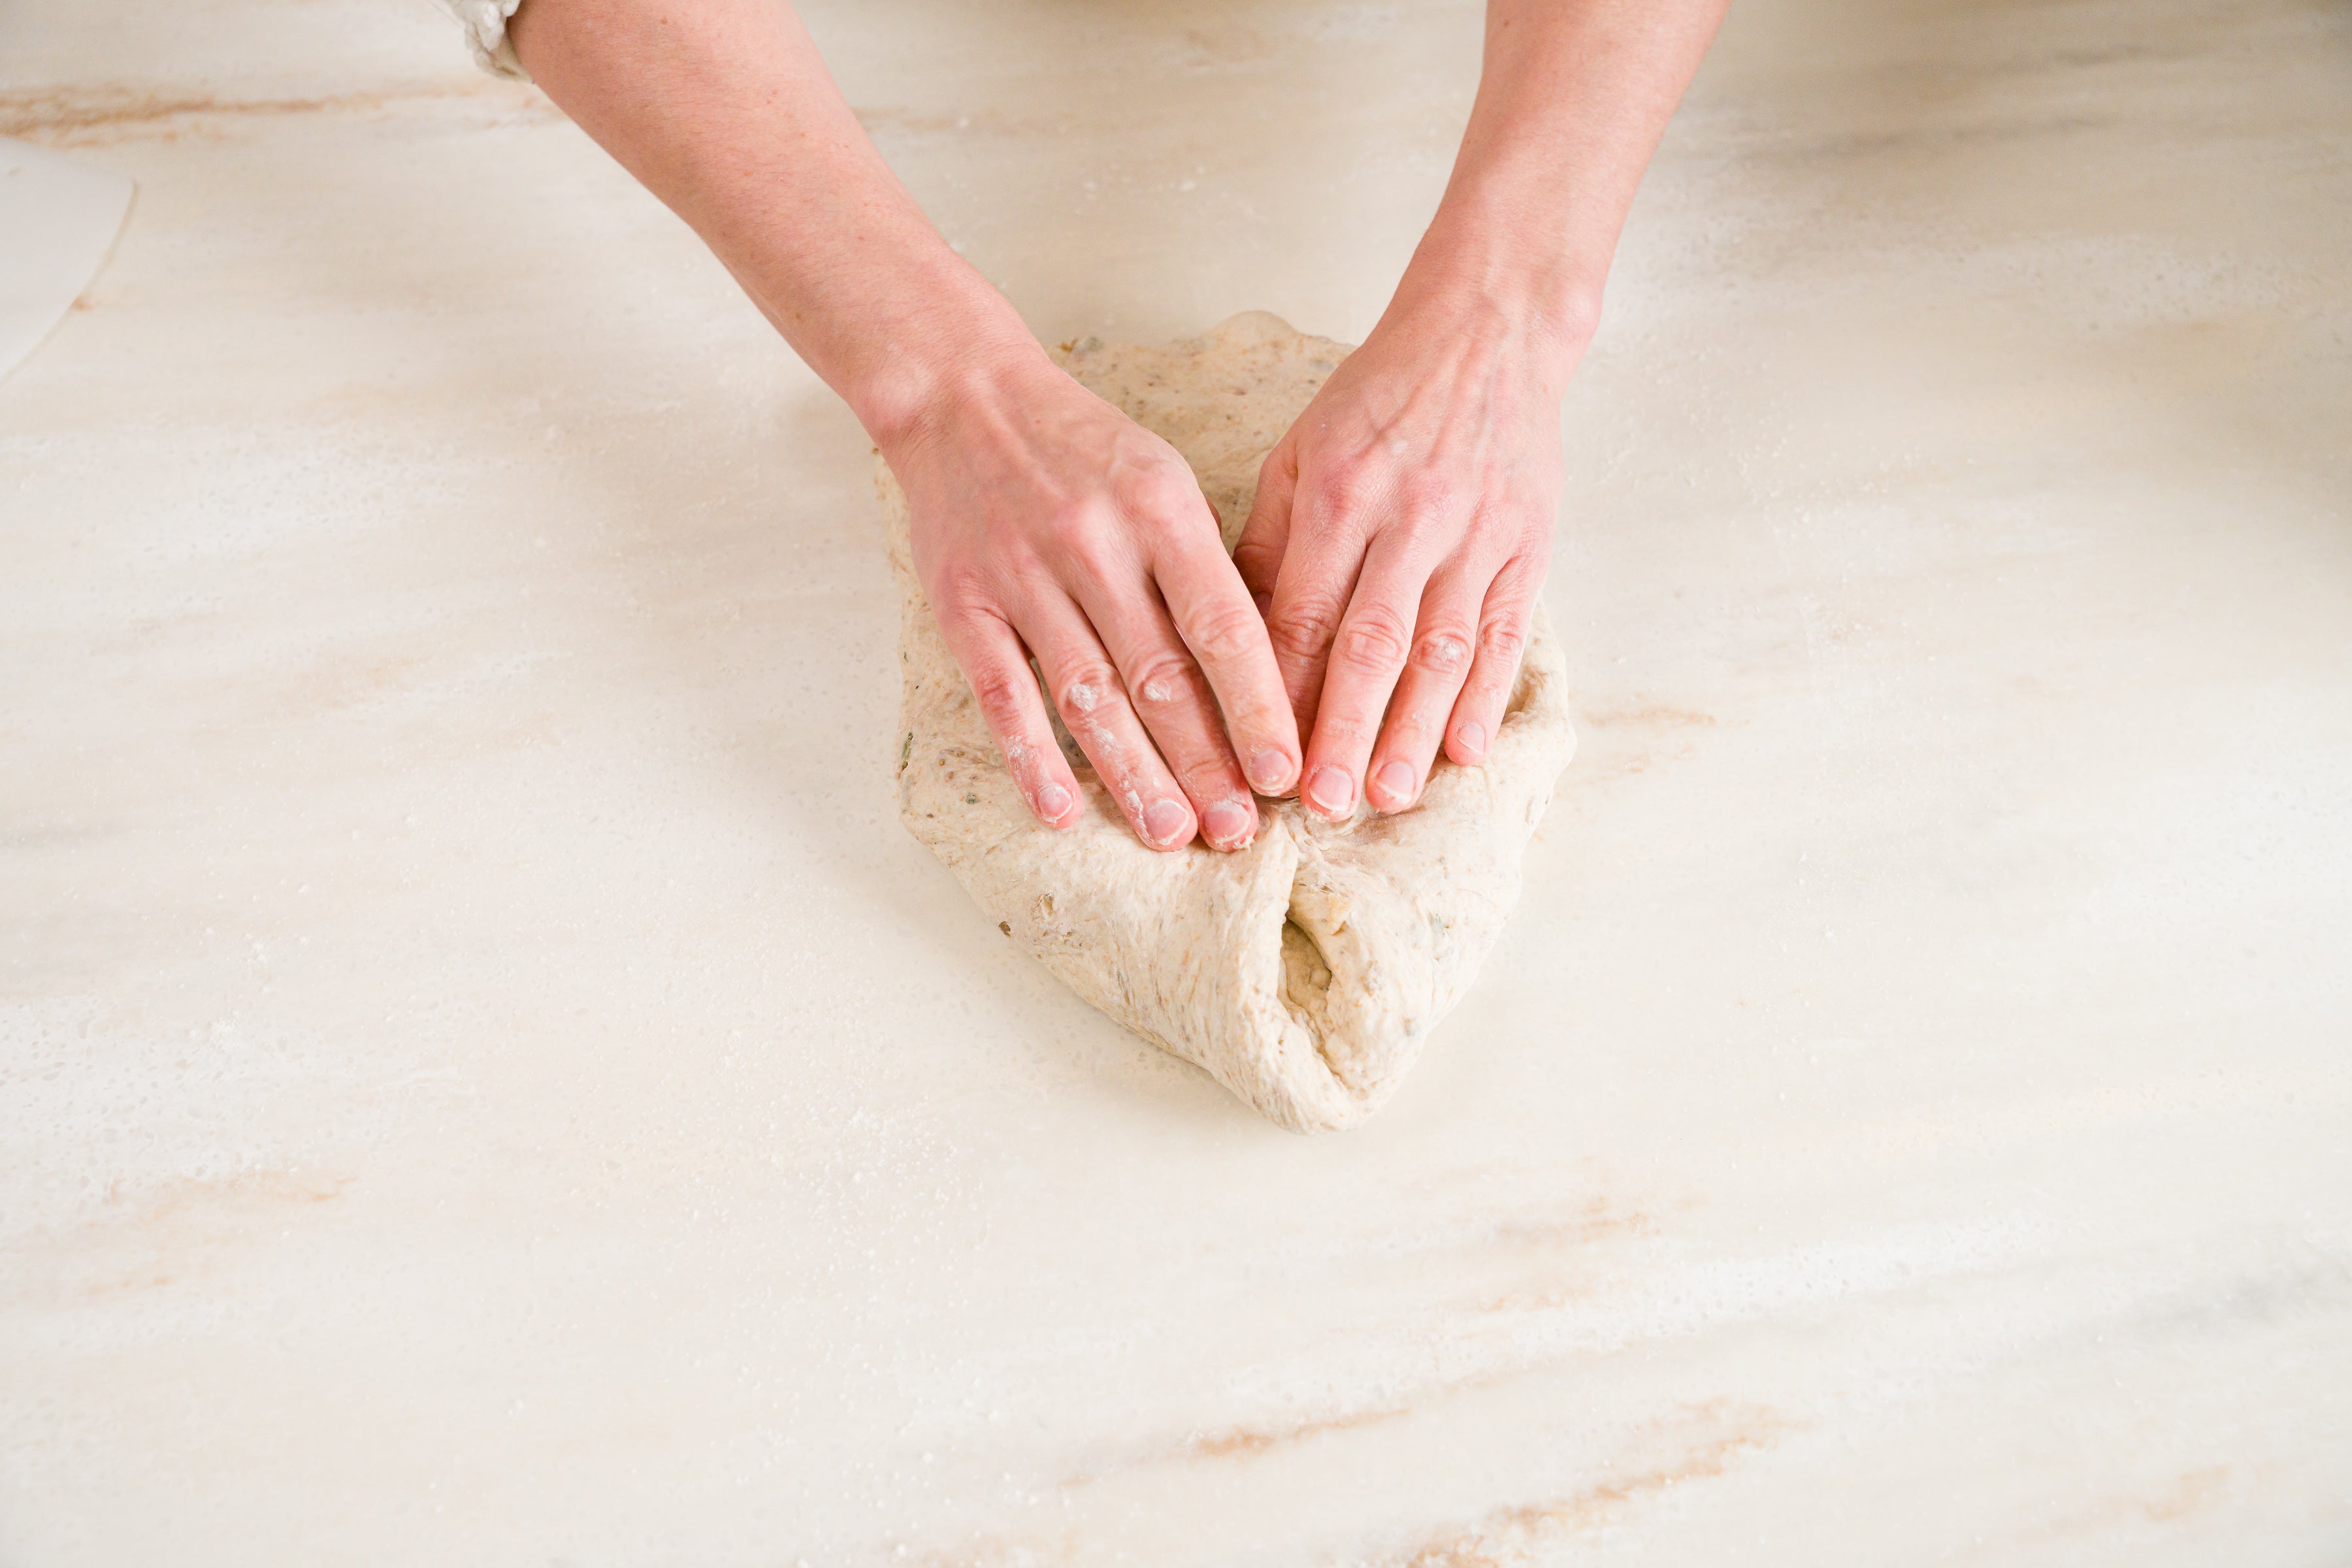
pixel 1305 972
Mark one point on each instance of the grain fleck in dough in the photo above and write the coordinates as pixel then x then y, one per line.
pixel 1305 972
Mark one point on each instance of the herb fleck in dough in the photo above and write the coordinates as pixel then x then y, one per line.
pixel 1305 972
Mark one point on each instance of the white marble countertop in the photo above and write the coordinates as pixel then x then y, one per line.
pixel 485 1079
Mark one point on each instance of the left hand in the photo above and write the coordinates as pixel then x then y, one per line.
pixel 1399 541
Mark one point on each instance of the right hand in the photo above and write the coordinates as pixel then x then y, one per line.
pixel 1044 522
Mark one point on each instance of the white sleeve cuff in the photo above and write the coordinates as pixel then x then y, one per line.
pixel 485 22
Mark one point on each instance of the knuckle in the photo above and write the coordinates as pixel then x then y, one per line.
pixel 1335 488
pixel 1441 651
pixel 1429 500
pixel 1084 689
pixel 1223 632
pixel 1179 536
pixel 1165 495
pixel 1526 525
pixel 1004 698
pixel 1511 525
pixel 1303 634
pixel 1530 559
pixel 974 631
pixel 1502 638
pixel 961 595
pixel 1068 517
pixel 1374 638
pixel 1089 538
pixel 1163 680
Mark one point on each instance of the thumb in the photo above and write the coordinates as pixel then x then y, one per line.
pixel 1257 556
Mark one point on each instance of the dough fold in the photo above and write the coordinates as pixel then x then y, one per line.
pixel 1303 973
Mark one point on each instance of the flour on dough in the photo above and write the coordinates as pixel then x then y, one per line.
pixel 1305 972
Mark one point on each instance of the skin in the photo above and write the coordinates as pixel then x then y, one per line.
pixel 1376 607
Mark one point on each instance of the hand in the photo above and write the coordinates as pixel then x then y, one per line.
pixel 1399 541
pixel 1043 521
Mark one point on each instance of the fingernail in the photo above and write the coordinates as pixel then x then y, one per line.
pixel 1330 790
pixel 1052 801
pixel 1164 821
pixel 1227 823
pixel 1395 781
pixel 1269 772
pixel 1472 739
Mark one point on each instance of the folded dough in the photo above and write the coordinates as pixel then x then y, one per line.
pixel 1305 972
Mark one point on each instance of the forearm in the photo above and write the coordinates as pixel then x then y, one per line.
pixel 724 110
pixel 1572 100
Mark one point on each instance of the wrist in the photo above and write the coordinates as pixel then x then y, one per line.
pixel 933 359
pixel 1491 259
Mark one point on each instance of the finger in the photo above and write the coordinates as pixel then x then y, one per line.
pixel 1503 623
pixel 1212 614
pixel 1087 691
pixel 1444 643
pixel 997 668
pixel 1167 691
pixel 1323 550
pixel 1367 655
pixel 1257 554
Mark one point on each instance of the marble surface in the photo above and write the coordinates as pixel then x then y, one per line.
pixel 484 1078
pixel 60 215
